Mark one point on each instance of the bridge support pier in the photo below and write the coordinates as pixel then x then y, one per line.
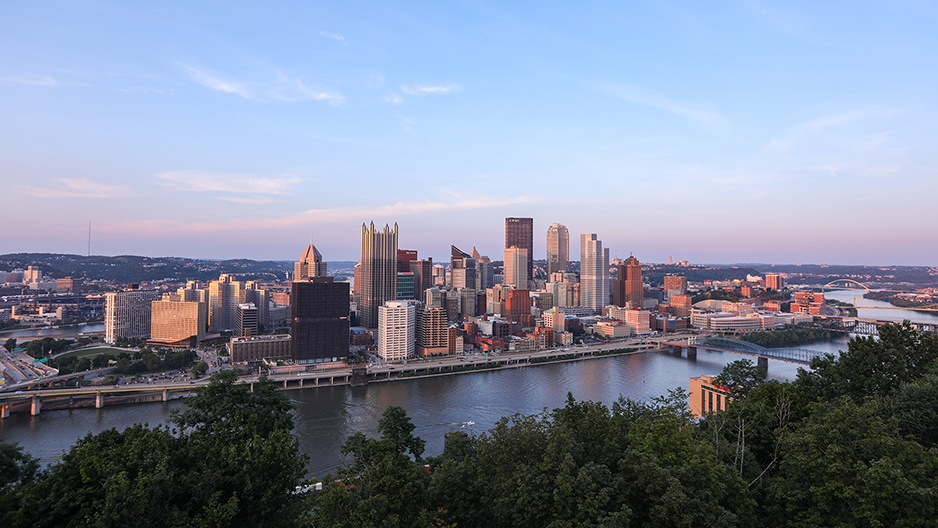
pixel 4 411
pixel 692 353
pixel 764 364
pixel 36 406
pixel 165 394
pixel 98 400
pixel 676 350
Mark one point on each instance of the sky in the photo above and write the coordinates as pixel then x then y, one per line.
pixel 787 132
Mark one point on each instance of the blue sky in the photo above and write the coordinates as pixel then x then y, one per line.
pixel 728 132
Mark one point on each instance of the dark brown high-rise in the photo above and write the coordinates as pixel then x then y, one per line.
pixel 320 326
pixel 519 232
pixel 628 286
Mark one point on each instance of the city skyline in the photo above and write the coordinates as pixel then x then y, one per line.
pixel 802 133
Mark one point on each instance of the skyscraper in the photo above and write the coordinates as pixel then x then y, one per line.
pixel 128 314
pixel 519 232
pixel 379 271
pixel 558 248
pixel 515 272
pixel 224 296
pixel 594 272
pixel 320 322
pixel 397 323
pixel 309 265
pixel 463 267
pixel 628 286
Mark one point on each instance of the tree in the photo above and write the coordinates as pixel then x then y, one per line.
pixel 740 377
pixel 872 367
pixel 10 345
pixel 229 459
pixel 847 466
pixel 381 486
pixel 199 369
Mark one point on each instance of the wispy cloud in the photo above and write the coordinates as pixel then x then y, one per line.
pixel 282 87
pixel 828 124
pixel 393 98
pixel 637 95
pixel 331 215
pixel 333 36
pixel 229 183
pixel 218 82
pixel 77 188
pixel 290 89
pixel 31 80
pixel 431 90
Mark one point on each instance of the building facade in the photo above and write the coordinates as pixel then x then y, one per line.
pixel 594 272
pixel 397 327
pixel 178 322
pixel 128 314
pixel 516 267
pixel 309 265
pixel 378 271
pixel 558 249
pixel 224 296
pixel 628 288
pixel 320 320
pixel 519 233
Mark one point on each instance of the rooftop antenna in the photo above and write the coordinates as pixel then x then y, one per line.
pixel 89 238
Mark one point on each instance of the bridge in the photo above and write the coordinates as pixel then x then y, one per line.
pixel 801 356
pixel 844 284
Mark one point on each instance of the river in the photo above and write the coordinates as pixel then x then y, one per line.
pixel 888 311
pixel 28 334
pixel 326 416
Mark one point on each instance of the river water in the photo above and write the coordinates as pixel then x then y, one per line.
pixel 29 334
pixel 326 416
pixel 855 297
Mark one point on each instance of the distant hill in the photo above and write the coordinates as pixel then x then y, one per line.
pixel 135 269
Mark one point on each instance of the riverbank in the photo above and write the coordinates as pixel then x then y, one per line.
pixel 20 402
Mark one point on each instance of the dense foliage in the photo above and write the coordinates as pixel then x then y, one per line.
pixel 146 360
pixel 228 460
pixel 851 442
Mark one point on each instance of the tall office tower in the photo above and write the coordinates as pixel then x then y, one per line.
pixel 675 285
pixel 397 323
pixel 485 271
pixel 423 276
pixel 558 248
pixel 628 287
pixel 224 296
pixel 261 299
pixel 405 286
pixel 309 265
pixel 519 232
pixel 178 321
pixel 432 335
pixel 192 293
pixel 518 306
pixel 594 272
pixel 439 275
pixel 404 258
pixel 247 320
pixel 320 327
pixel 468 300
pixel 379 271
pixel 774 281
pixel 463 274
pixel 516 272
pixel 32 274
pixel 128 314
pixel 357 278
